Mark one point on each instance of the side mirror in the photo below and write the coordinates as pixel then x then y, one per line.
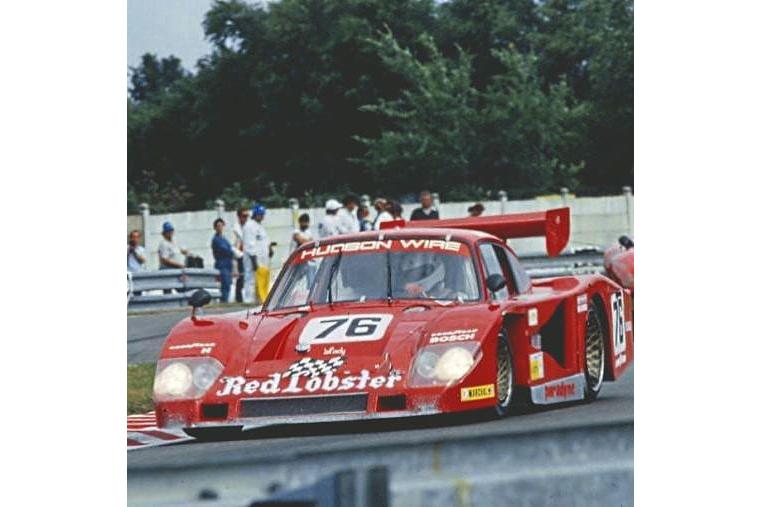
pixel 198 299
pixel 495 282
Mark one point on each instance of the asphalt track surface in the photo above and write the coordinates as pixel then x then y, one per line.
pixel 615 404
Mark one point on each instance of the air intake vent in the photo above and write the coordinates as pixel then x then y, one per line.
pixel 303 406
pixel 214 411
pixel 398 402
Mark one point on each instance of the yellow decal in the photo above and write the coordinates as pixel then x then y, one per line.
pixel 477 392
pixel 536 365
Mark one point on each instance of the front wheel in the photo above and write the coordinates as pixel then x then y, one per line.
pixel 594 347
pixel 505 373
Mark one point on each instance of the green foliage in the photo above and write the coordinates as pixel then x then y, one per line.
pixel 140 388
pixel 514 133
pixel 162 198
pixel 434 121
pixel 311 97
pixel 154 76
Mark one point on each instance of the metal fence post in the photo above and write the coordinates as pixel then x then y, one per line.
pixel 502 201
pixel 564 195
pixel 145 212
pixel 293 204
pixel 436 200
pixel 219 204
pixel 629 201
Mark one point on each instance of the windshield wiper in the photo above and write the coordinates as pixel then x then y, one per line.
pixel 333 269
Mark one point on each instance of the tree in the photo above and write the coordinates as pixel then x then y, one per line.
pixel 434 122
pixel 304 96
pixel 154 76
pixel 444 131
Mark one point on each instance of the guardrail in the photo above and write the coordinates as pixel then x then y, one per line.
pixel 585 464
pixel 169 288
pixel 577 263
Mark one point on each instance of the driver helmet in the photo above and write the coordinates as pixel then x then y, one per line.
pixel 424 269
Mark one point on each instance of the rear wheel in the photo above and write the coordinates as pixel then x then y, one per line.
pixel 594 352
pixel 505 373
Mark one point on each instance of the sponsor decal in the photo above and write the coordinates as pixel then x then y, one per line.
pixel 536 365
pixel 629 326
pixel 557 391
pixel 533 316
pixel 375 245
pixel 355 328
pixel 205 347
pixel 333 351
pixel 455 335
pixel 562 390
pixel 309 367
pixel 536 341
pixel 277 383
pixel 619 327
pixel 581 303
pixel 477 392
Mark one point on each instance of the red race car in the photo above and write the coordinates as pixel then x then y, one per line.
pixel 619 262
pixel 415 319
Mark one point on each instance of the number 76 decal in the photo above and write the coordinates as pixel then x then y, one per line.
pixel 342 329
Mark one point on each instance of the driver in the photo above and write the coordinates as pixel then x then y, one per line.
pixel 423 275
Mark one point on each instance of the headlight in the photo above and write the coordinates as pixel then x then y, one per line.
pixel 425 366
pixel 185 378
pixel 453 364
pixel 443 364
pixel 174 380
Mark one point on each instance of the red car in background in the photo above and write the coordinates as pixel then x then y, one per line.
pixel 415 319
pixel 619 262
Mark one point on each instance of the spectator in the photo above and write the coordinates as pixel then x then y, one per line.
pixel 363 216
pixel 382 214
pixel 135 253
pixel 243 215
pixel 263 250
pixel 223 258
pixel 240 280
pixel 330 225
pixel 395 209
pixel 169 252
pixel 301 235
pixel 426 210
pixel 348 214
pixel 476 210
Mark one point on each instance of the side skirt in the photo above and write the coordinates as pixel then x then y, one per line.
pixel 559 391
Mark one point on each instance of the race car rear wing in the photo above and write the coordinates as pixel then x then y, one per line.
pixel 554 225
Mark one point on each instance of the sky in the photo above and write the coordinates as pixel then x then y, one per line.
pixel 166 27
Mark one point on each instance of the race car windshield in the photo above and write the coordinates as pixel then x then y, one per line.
pixel 342 273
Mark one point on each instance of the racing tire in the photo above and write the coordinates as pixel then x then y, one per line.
pixel 594 353
pixel 505 379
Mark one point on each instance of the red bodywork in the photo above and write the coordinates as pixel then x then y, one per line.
pixel 256 349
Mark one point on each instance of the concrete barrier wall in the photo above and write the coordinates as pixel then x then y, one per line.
pixel 595 222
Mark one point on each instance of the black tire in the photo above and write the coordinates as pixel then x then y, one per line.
pixel 505 376
pixel 594 353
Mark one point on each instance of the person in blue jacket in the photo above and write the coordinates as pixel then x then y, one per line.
pixel 223 258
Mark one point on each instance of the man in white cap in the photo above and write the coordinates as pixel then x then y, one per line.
pixel 330 225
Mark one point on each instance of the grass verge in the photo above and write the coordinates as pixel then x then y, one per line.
pixel 140 388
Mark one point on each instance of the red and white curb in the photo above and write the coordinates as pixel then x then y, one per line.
pixel 142 432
